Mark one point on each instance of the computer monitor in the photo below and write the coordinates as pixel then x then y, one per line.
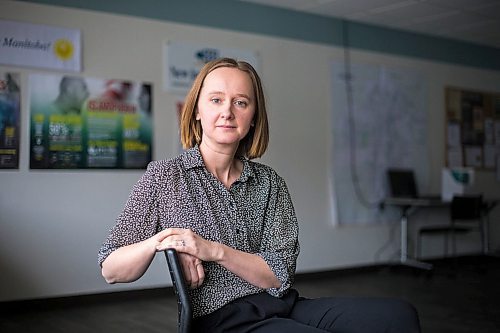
pixel 402 183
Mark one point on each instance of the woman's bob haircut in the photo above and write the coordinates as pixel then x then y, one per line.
pixel 254 144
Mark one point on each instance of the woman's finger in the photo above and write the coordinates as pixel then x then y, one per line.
pixel 201 273
pixel 190 270
pixel 174 242
pixel 171 232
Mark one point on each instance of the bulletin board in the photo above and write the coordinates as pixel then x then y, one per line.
pixel 472 128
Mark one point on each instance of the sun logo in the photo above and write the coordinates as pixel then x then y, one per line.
pixel 63 49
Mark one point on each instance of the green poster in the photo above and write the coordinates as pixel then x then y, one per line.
pixel 81 122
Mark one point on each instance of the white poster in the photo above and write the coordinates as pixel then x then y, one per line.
pixel 32 45
pixel 184 60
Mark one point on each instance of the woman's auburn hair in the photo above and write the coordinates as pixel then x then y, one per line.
pixel 254 144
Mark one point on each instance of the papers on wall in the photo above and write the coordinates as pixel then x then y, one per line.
pixel 497 132
pixel 489 156
pixel 455 158
pixel 473 156
pixel 453 135
pixel 473 128
pixel 456 181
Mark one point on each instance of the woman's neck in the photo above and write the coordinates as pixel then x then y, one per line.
pixel 221 163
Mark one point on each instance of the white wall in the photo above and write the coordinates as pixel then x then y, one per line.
pixel 53 222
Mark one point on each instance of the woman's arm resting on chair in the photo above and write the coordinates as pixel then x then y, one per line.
pixel 128 263
pixel 238 262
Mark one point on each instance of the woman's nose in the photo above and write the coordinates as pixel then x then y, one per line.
pixel 227 111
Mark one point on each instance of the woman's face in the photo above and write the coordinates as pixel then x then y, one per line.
pixel 226 107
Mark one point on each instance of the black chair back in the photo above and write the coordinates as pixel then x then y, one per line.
pixel 466 207
pixel 185 311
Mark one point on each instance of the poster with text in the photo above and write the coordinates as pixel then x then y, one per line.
pixel 184 60
pixel 43 46
pixel 9 120
pixel 79 122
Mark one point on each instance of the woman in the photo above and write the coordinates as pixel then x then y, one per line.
pixel 232 221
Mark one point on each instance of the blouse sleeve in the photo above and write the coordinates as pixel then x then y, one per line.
pixel 280 246
pixel 138 220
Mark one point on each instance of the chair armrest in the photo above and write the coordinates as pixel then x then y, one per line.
pixel 185 312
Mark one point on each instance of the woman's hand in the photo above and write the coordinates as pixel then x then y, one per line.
pixel 192 267
pixel 192 249
pixel 187 241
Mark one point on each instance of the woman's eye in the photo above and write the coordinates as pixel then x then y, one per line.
pixel 216 100
pixel 241 103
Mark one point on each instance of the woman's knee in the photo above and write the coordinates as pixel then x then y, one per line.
pixel 403 315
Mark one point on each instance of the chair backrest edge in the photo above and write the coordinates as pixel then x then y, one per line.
pixel 185 312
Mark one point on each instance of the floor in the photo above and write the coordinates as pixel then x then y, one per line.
pixel 461 295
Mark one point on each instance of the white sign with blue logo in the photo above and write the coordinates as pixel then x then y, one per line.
pixel 32 45
pixel 184 60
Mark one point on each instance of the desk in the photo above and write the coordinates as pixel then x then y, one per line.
pixel 408 205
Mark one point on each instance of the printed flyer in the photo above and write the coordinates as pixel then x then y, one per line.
pixel 79 122
pixel 9 120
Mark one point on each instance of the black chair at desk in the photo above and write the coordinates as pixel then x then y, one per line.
pixel 185 311
pixel 465 216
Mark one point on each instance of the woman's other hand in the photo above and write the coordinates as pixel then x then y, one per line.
pixel 193 270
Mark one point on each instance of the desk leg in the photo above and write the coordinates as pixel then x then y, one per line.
pixel 404 260
pixel 486 237
pixel 404 238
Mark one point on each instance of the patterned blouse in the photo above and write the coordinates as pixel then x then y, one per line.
pixel 254 215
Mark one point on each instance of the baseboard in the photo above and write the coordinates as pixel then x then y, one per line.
pixel 87 299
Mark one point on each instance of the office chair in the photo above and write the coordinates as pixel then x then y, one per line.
pixel 465 216
pixel 184 309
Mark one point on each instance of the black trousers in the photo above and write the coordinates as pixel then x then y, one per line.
pixel 264 313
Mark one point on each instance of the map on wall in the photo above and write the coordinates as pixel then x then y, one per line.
pixel 379 121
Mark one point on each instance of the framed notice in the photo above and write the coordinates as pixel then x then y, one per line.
pixel 79 123
pixel 472 138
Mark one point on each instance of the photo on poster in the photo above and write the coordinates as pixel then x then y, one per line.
pixel 10 101
pixel 79 122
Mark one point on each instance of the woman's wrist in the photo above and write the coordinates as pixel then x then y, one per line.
pixel 151 244
pixel 219 252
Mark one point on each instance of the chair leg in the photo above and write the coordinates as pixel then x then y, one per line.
pixel 446 235
pixel 484 250
pixel 453 243
pixel 419 246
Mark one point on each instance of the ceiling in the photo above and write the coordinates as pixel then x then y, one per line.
pixel 476 21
